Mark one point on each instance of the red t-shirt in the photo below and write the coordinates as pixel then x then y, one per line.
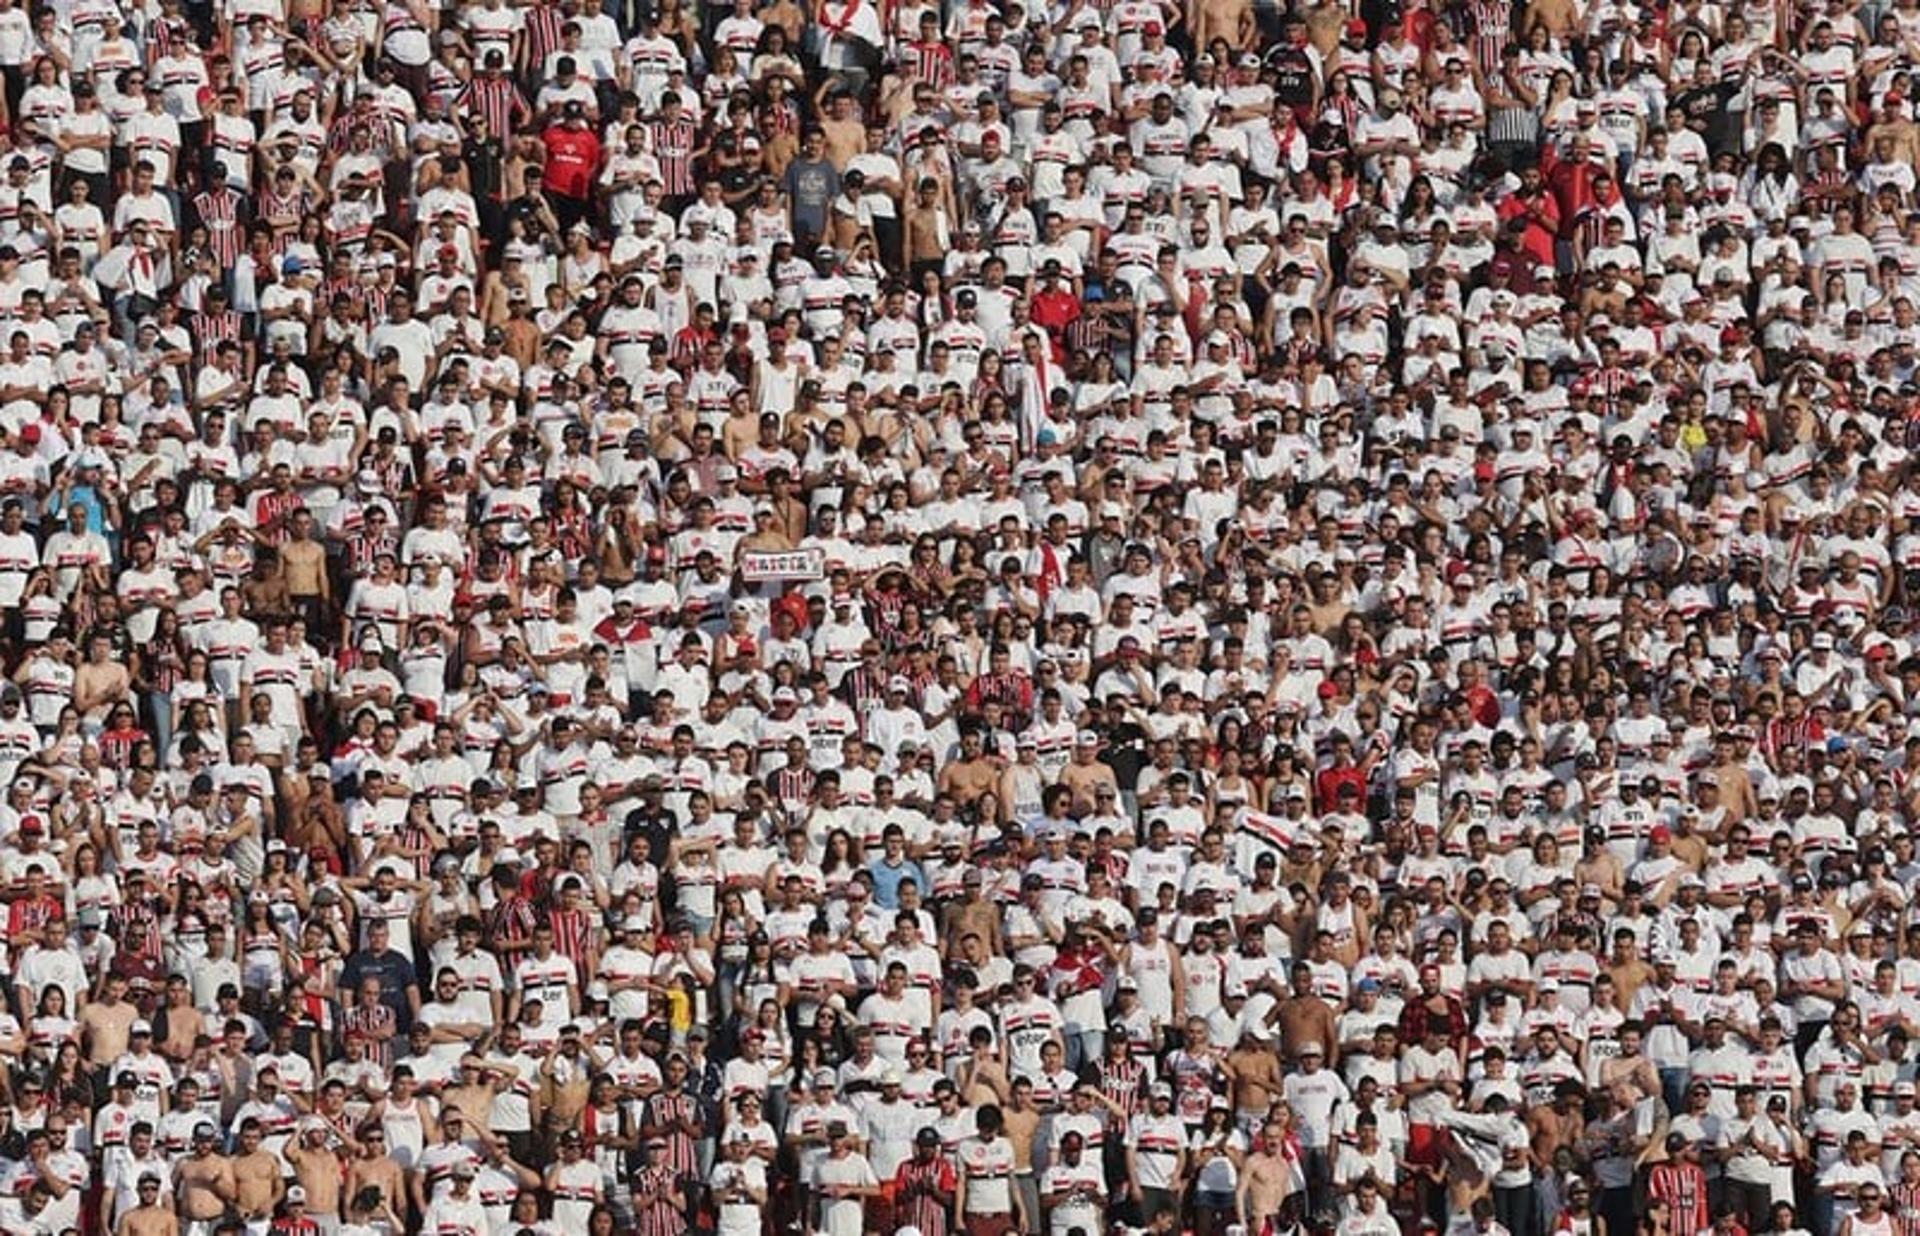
pixel 573 155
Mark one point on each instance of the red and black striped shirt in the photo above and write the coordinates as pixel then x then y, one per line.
pixel 913 1185
pixel 673 146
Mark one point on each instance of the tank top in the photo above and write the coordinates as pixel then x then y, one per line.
pixel 406 39
pixel 1337 921
pixel 263 952
pixel 1152 969
pixel 406 1132
pixel 1883 1226
pixel 674 308
pixel 1027 786
pixel 779 388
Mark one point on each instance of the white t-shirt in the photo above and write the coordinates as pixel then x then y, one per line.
pixel 843 1216
pixel 741 1218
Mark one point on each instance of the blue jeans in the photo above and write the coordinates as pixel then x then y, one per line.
pixel 1086 1046
pixel 1673 1087
pixel 160 711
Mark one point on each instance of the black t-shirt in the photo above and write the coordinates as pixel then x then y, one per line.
pixel 1293 76
pixel 1705 108
pixel 393 970
pixel 1125 753
pixel 738 179
pixel 484 160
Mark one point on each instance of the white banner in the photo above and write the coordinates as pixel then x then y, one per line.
pixel 763 566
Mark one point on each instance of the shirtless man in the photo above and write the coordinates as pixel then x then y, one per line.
pixel 101 682
pixel 1556 1124
pixel 927 226
pixel 973 775
pixel 563 1092
pixel 1231 20
pixel 204 1183
pixel 1625 968
pixel 1324 23
pixel 480 1080
pixel 373 1169
pixel 843 134
pixel 316 1166
pixel 179 1023
pixel 1256 1075
pixel 1729 773
pixel 1021 1125
pixel 1086 773
pixel 971 915
pixel 105 1023
pixel 1631 1067
pixel 1266 1178
pixel 257 1185
pixel 303 560
pixel 767 536
pixel 1305 1018
pixel 1560 17
pixel 151 1217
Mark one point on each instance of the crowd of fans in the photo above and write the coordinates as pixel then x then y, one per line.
pixel 868 616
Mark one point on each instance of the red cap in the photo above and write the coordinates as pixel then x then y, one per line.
pixel 1660 832
pixel 1356 26
pixel 30 433
pixel 1730 335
